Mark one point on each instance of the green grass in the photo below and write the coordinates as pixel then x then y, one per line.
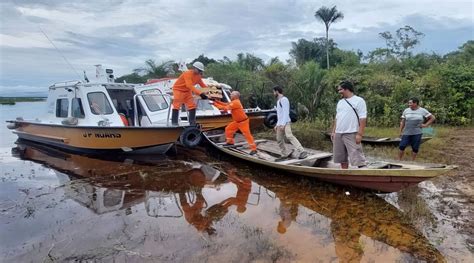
pixel 13 100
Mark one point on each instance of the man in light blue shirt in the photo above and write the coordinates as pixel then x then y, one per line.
pixel 283 126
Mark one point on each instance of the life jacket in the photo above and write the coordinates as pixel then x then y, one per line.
pixel 124 119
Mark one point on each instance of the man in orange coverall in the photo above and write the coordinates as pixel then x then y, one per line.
pixel 240 121
pixel 183 90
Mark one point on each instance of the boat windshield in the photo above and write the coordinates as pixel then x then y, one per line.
pixel 99 104
pixel 204 105
pixel 154 100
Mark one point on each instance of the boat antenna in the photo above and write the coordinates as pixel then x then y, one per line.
pixel 59 51
pixel 85 77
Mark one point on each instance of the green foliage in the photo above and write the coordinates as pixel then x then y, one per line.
pixel 153 70
pixel 279 73
pixel 131 78
pixel 249 62
pixel 386 79
pixel 306 86
pixel 344 58
pixel 465 54
pixel 406 38
pixel 204 60
pixel 303 50
pixel 254 87
pixel 328 16
pixel 449 92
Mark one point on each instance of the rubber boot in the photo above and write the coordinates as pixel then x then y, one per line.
pixel 192 117
pixel 174 117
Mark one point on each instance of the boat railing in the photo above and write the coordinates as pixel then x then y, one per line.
pixel 67 83
pixel 135 107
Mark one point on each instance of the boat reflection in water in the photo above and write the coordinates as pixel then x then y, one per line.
pixel 187 187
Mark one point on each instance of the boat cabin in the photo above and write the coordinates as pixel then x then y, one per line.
pixel 105 104
pixel 121 104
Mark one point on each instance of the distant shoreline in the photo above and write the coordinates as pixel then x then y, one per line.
pixel 14 100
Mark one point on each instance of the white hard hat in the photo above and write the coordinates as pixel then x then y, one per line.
pixel 198 65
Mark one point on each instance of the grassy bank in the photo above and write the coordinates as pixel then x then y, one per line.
pixel 311 135
pixel 13 100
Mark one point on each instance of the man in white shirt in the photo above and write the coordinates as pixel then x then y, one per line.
pixel 348 127
pixel 283 126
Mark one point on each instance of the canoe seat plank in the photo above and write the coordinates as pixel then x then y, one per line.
pixel 215 135
pixel 309 158
pixel 237 144
pixel 269 148
pixel 265 156
pixel 260 154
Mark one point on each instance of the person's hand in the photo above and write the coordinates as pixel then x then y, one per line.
pixel 424 125
pixel 333 135
pixel 203 96
pixel 358 138
pixel 281 127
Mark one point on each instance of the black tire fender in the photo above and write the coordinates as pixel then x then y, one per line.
pixel 270 120
pixel 190 137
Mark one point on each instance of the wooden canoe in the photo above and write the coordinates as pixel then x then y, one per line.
pixel 379 176
pixel 381 141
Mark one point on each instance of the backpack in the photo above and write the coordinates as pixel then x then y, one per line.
pixel 293 113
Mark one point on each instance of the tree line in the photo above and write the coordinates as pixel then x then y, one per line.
pixel 386 77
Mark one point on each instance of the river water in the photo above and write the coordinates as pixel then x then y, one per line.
pixel 198 206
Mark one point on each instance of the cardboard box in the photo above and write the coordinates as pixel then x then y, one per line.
pixel 213 92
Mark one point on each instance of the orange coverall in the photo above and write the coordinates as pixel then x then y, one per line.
pixel 244 187
pixel 184 87
pixel 240 122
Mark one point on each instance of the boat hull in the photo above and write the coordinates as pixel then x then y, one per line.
pixel 89 139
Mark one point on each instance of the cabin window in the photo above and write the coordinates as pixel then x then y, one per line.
pixel 62 106
pixel 99 104
pixel 154 100
pixel 76 108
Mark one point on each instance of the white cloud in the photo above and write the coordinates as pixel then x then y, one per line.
pixel 27 40
pixel 122 34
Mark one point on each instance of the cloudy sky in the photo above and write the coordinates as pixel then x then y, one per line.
pixel 122 34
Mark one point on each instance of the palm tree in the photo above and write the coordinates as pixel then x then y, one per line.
pixel 153 70
pixel 328 16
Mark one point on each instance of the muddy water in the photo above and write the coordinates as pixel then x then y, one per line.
pixel 202 207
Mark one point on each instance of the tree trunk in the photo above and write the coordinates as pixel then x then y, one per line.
pixel 327 46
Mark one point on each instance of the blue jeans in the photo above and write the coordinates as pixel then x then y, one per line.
pixel 413 140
